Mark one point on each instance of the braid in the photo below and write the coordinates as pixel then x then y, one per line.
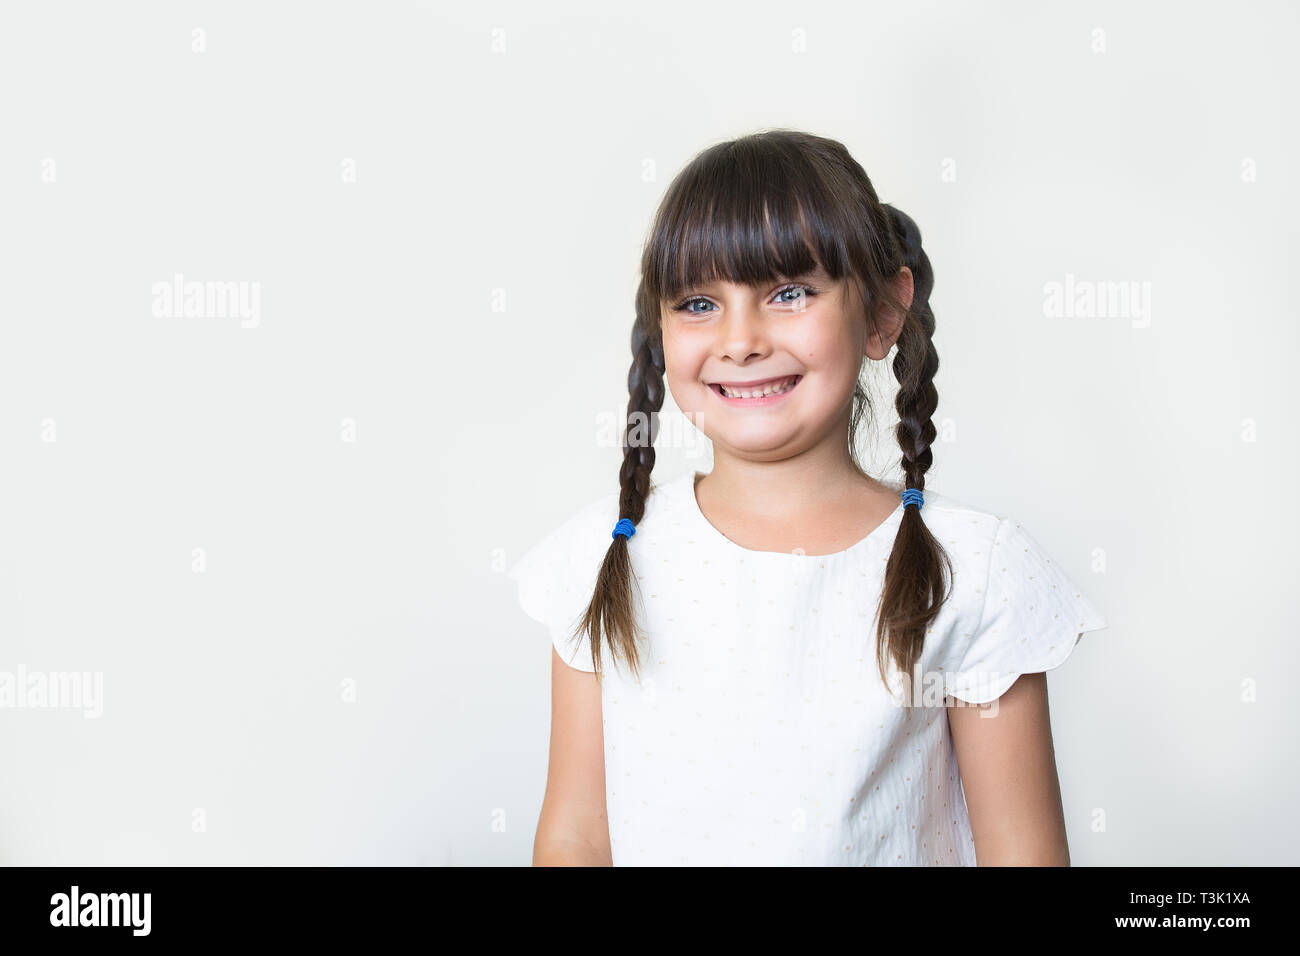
pixel 917 359
pixel 914 583
pixel 611 616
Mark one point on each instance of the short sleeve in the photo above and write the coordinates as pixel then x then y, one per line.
pixel 1032 617
pixel 557 577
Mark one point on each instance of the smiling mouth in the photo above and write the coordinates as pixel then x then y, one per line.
pixel 759 392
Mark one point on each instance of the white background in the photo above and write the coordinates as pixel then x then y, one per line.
pixel 467 302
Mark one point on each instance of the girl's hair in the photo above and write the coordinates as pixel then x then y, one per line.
pixel 778 203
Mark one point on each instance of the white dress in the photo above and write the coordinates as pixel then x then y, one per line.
pixel 760 732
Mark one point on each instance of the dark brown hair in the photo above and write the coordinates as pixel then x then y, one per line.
pixel 771 204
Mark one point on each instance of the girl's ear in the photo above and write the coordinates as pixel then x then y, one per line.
pixel 886 320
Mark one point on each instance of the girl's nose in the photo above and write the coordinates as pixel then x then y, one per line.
pixel 744 332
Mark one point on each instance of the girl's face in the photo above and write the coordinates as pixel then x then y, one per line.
pixel 800 341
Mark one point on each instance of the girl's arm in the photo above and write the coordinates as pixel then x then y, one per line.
pixel 1008 771
pixel 573 829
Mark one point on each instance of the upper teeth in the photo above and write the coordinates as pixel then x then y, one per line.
pixel 771 388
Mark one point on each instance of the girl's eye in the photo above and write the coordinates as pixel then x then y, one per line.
pixel 686 306
pixel 798 291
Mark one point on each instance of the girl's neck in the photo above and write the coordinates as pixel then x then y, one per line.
pixel 788 489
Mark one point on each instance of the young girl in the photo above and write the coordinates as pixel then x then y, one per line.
pixel 729 670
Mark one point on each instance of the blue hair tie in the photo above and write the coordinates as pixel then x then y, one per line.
pixel 912 496
pixel 624 527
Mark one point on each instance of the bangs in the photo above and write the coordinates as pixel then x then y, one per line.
pixel 748 216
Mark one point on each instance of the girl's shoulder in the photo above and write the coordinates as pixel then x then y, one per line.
pixel 580 531
pixel 1017 606
pixel 557 574
pixel 592 522
pixel 960 521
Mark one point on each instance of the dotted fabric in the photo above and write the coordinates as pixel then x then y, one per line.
pixel 761 732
